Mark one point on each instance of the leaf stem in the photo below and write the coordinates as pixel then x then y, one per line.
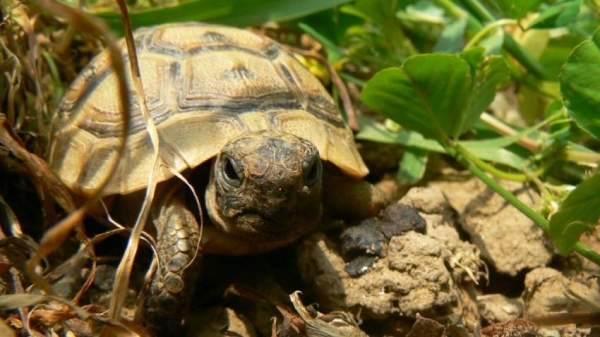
pixel 493 170
pixel 463 155
pixel 487 29
pixel 525 58
pixel 479 10
pixel 580 156
pixel 510 45
pixel 587 252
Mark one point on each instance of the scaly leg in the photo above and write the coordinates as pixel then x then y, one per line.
pixel 171 289
pixel 356 198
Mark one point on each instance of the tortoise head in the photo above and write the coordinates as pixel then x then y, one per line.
pixel 266 184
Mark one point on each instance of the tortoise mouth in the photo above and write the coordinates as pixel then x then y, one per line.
pixel 272 226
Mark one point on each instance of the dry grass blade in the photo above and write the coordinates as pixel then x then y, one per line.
pixel 123 273
pixel 36 166
pixel 6 331
pixel 25 300
pixel 83 22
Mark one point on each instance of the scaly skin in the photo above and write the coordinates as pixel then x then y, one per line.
pixel 178 236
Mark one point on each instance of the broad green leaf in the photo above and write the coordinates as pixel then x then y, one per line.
pixel 496 155
pixel 517 8
pixel 577 214
pixel 437 95
pixel 490 75
pixel 412 166
pixel 370 130
pixel 557 15
pixel 228 12
pixel 426 95
pixel 580 85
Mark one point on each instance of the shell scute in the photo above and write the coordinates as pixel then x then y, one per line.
pixel 204 85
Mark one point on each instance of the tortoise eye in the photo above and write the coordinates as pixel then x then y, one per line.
pixel 231 172
pixel 313 172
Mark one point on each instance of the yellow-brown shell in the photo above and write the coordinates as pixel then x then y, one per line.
pixel 204 85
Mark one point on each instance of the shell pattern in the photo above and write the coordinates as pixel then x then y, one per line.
pixel 204 85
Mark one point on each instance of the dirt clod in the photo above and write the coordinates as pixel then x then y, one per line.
pixel 509 240
pixel 548 291
pixel 461 256
pixel 514 328
pixel 496 308
pixel 411 279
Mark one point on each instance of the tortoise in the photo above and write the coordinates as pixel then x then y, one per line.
pixel 235 109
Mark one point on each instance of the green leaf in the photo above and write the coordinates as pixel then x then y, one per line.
pixel 412 166
pixel 490 75
pixel 489 149
pixel 380 11
pixel 517 8
pixel 577 214
pixel 424 95
pixel 228 12
pixel 580 85
pixel 373 131
pixel 453 36
pixel 493 42
pixel 558 15
pixel 334 53
pixel 437 95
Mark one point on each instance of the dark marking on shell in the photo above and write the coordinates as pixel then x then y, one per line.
pixel 287 74
pixel 238 72
pixel 177 52
pixel 211 36
pixel 279 101
pixel 175 70
pixel 272 51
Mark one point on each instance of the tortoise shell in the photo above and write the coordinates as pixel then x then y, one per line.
pixel 204 86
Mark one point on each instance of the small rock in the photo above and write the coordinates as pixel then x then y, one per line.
pixel 514 328
pixel 399 218
pixel 363 239
pixel 360 265
pixel 496 308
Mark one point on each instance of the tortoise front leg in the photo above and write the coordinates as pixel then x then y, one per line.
pixel 355 198
pixel 178 235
